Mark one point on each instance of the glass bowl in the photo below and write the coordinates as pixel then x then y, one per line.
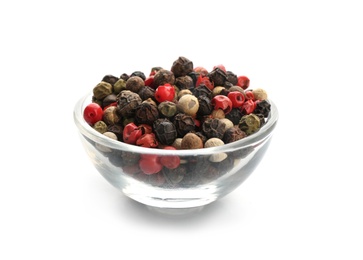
pixel 199 179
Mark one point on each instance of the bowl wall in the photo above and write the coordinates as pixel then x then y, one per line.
pixel 201 178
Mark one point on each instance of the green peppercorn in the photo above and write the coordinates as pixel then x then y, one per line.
pixel 100 126
pixel 249 123
pixel 119 86
pixel 167 108
pixel 101 90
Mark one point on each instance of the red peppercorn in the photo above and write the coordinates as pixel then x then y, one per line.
pixel 149 81
pixel 243 82
pixel 205 81
pixel 249 95
pixel 147 140
pixel 172 161
pixel 150 163
pixel 248 106
pixel 222 102
pixel 165 92
pixel 237 98
pixel 131 133
pixel 92 113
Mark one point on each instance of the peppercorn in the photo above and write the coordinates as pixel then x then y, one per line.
pixel 119 86
pixel 146 92
pixel 205 106
pixel 108 100
pixel 116 129
pixel 165 131
pixel 103 148
pixel 228 122
pixel 124 76
pixel 146 113
pixel 213 127
pixel 249 124
pixel 217 90
pixel 233 134
pixel 184 92
pixel 127 101
pixel 232 78
pixel 167 108
pixel 110 79
pixel 235 115
pixel 101 90
pixel 100 126
pixel 164 76
pixel 110 116
pixel 188 104
pixel 174 176
pixel 260 94
pixel 217 76
pixel 262 107
pixel 181 67
pixel 183 124
pixel 202 90
pixel 139 74
pixel 218 113
pixel 135 84
pixel 184 82
pixel 191 141
pixel 212 142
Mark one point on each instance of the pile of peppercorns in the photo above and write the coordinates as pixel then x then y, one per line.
pixel 180 108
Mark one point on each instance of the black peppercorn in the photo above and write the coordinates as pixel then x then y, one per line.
pixel 202 89
pixel 127 101
pixel 181 67
pixel 262 107
pixel 205 106
pixel 139 74
pixel 165 131
pixel 110 79
pixel 232 78
pixel 124 76
pixel 109 100
pixel 146 113
pixel 116 129
pixel 183 124
pixel 147 92
pixel 213 127
pixel 234 115
pixel 233 134
pixel 217 76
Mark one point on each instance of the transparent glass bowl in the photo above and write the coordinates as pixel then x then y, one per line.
pixel 196 182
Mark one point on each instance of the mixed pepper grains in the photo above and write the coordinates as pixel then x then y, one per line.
pixel 180 108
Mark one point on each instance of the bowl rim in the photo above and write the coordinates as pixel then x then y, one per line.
pixel 84 128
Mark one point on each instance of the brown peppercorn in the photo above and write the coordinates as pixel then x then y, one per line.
pixel 249 123
pixel 135 84
pixel 184 82
pixel 183 124
pixel 164 76
pixel 127 101
pixel 182 66
pixel 167 108
pixel 101 90
pixel 146 113
pixel 165 131
pixel 233 134
pixel 213 127
pixel 217 76
pixel 191 141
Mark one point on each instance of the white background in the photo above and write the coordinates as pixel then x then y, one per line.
pixel 304 201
